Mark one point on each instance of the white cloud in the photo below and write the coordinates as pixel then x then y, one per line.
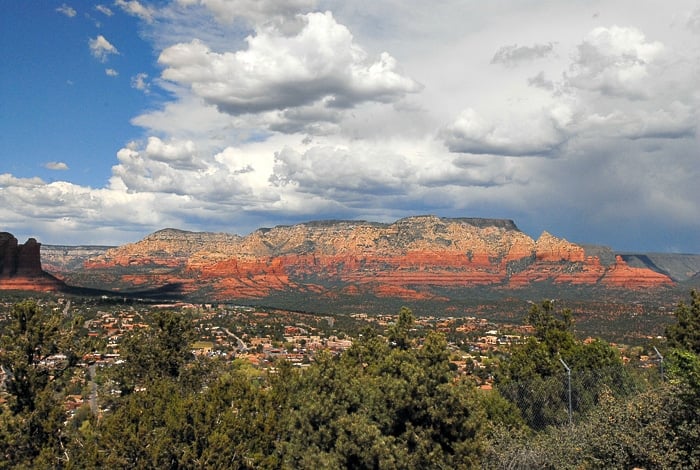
pixel 67 10
pixel 277 72
pixel 175 167
pixel 62 211
pixel 135 8
pixel 190 118
pixel 111 72
pixel 101 48
pixel 104 10
pixel 316 119
pixel 615 61
pixel 675 121
pixel 336 171
pixel 140 82
pixel 539 133
pixel 176 154
pixel 56 166
pixel 618 86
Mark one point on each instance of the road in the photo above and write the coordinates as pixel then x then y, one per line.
pixel 241 345
pixel 93 390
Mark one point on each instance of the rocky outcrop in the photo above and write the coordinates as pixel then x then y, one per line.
pixel 625 276
pixel 20 266
pixel 19 260
pixel 551 248
pixel 415 258
pixel 64 259
pixel 678 266
pixel 168 247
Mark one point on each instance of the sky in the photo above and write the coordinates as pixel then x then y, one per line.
pixel 580 118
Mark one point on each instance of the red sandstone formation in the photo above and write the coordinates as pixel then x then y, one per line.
pixel 20 266
pixel 551 248
pixel 409 259
pixel 622 275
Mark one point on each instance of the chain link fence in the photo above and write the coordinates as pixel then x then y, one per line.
pixel 565 398
pixel 621 417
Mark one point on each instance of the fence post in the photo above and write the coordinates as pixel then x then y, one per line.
pixel 568 373
pixel 661 364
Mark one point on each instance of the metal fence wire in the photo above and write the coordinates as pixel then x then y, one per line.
pixel 564 398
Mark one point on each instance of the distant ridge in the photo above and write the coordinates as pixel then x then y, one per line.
pixel 414 258
pixel 678 266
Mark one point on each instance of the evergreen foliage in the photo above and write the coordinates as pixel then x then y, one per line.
pixel 685 333
pixel 386 403
pixel 31 427
pixel 535 380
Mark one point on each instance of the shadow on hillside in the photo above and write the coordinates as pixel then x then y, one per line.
pixel 171 291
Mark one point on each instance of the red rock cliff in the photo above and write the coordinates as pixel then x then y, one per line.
pixel 409 258
pixel 19 260
pixel 20 266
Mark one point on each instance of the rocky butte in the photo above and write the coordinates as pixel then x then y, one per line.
pixel 20 266
pixel 423 257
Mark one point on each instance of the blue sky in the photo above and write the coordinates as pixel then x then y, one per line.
pixel 124 117
pixel 59 103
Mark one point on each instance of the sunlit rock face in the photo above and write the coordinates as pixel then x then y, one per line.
pixel 414 258
pixel 20 266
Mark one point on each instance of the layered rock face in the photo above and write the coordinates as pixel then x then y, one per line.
pixel 417 257
pixel 20 266
pixel 168 247
pixel 63 259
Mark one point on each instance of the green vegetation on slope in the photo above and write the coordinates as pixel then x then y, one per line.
pixel 392 400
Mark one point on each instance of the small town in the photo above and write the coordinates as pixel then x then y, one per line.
pixel 259 338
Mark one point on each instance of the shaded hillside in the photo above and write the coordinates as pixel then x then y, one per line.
pixel 678 266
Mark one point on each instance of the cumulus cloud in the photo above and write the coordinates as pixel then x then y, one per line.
pixel 513 55
pixel 324 170
pixel 315 119
pixel 67 10
pixel 536 134
pixel 618 85
pixel 176 154
pixel 277 72
pixel 157 161
pixel 189 118
pixel 676 120
pixel 140 82
pixel 135 8
pixel 318 180
pixel 56 166
pixel 82 214
pixel 390 177
pixel 175 167
pixel 614 61
pixel 111 72
pixel 101 48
